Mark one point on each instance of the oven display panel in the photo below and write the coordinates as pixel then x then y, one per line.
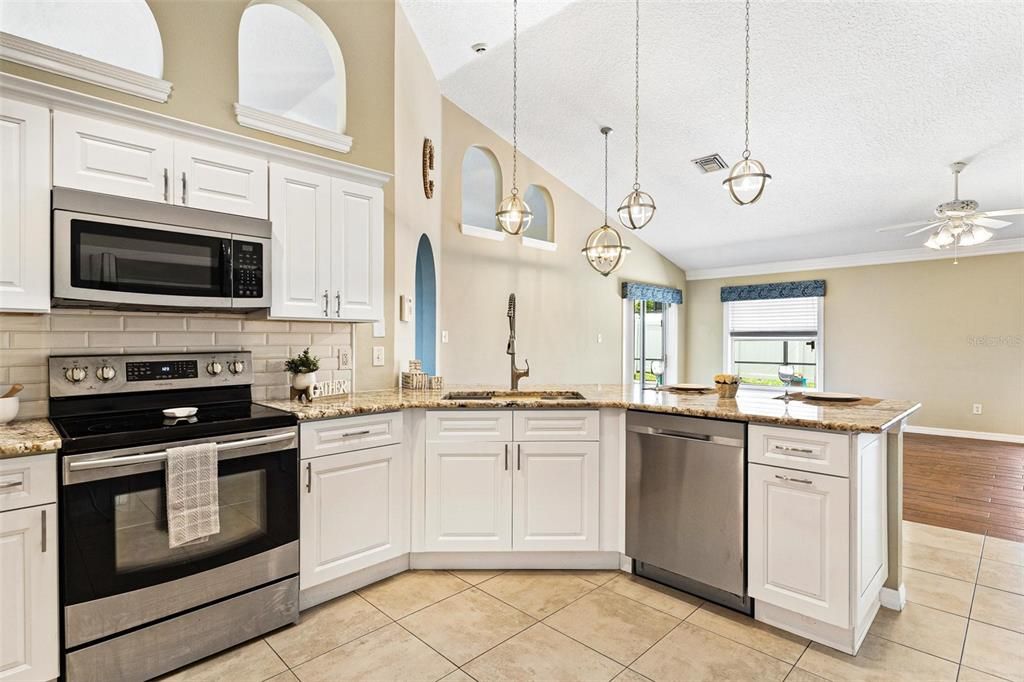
pixel 156 371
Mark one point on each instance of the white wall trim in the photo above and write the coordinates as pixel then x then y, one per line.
pixel 482 232
pixel 995 246
pixel 540 244
pixel 892 599
pixel 63 63
pixel 251 117
pixel 62 99
pixel 961 433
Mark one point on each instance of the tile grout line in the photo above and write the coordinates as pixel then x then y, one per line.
pixel 736 641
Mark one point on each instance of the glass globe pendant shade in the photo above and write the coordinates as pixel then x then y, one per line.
pixel 636 209
pixel 605 250
pixel 514 216
pixel 941 239
pixel 975 235
pixel 746 181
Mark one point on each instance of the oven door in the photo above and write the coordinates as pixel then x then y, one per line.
pixel 132 262
pixel 117 569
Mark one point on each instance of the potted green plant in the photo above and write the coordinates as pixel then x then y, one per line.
pixel 303 369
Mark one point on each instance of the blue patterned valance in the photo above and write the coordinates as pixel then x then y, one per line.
pixel 760 292
pixel 635 291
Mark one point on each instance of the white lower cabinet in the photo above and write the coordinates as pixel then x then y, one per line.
pixel 555 496
pixel 468 497
pixel 29 631
pixel 354 512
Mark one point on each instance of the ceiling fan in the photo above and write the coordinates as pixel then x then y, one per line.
pixel 959 223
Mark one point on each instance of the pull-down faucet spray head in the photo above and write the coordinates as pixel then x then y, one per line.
pixel 511 349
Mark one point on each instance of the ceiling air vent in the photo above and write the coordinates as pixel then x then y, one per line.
pixel 710 163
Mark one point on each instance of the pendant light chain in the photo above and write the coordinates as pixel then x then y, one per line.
pixel 746 96
pixel 605 131
pixel 515 88
pixel 636 99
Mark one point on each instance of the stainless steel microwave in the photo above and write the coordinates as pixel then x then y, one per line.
pixel 125 253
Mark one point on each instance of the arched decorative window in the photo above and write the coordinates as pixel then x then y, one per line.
pixel 115 44
pixel 541 233
pixel 481 193
pixel 426 306
pixel 291 74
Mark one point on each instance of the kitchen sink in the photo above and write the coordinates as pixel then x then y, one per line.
pixel 514 395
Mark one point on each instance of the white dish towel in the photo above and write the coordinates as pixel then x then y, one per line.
pixel 192 495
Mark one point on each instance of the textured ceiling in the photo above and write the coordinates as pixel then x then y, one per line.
pixel 857 110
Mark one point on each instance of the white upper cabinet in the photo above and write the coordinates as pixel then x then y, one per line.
pixel 24 207
pixel 100 156
pixel 556 503
pixel 357 250
pixel 216 179
pixel 300 212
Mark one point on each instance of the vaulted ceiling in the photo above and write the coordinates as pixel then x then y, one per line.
pixel 857 110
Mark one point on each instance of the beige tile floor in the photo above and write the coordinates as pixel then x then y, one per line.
pixel 964 622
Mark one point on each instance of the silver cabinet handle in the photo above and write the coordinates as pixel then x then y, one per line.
pixel 184 189
pixel 162 455
pixel 167 186
pixel 519 457
pixel 787 448
pixel 9 484
pixel 506 456
pixel 790 479
pixel 309 477
pixel 349 434
pixel 337 304
pixel 43 512
pixel 326 296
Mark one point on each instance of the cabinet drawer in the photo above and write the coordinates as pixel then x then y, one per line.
pixel 549 425
pixel 469 425
pixel 28 481
pixel 350 433
pixel 803 450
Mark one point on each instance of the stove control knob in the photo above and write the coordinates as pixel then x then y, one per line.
pixel 236 366
pixel 106 373
pixel 214 368
pixel 75 375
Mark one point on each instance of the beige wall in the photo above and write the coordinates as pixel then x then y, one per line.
pixel 562 304
pixel 200 40
pixel 905 331
pixel 417 115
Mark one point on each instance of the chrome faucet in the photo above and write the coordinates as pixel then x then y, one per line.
pixel 517 373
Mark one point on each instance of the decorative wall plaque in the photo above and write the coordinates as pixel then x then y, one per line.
pixel 428 165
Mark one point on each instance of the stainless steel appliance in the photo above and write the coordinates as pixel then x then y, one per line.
pixel 134 608
pixel 686 504
pixel 125 253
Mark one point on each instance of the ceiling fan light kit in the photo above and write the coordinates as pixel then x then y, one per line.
pixel 605 250
pixel 638 208
pixel 513 214
pixel 748 178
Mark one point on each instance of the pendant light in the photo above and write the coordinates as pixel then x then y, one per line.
pixel 747 179
pixel 605 250
pixel 637 208
pixel 513 214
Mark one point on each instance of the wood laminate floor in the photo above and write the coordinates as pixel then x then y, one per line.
pixel 970 485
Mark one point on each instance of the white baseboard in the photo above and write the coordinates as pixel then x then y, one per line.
pixel 959 433
pixel 514 560
pixel 894 599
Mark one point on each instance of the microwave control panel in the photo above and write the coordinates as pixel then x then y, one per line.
pixel 247 269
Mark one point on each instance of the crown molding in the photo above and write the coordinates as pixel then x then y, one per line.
pixel 63 63
pixel 295 130
pixel 62 99
pixel 995 246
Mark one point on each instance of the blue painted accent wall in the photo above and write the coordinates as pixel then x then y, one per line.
pixel 426 306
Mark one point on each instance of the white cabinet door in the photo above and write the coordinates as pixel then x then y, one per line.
pixel 216 179
pixel 357 263
pixel 111 158
pixel 300 212
pixel 468 497
pixel 354 512
pixel 29 627
pixel 556 496
pixel 799 542
pixel 24 207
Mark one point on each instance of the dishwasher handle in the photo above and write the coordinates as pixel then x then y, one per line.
pixel 686 435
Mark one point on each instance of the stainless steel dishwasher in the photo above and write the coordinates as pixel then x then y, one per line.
pixel 686 504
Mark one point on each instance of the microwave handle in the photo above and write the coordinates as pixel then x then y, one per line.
pixel 227 268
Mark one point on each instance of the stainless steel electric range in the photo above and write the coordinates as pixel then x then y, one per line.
pixel 133 608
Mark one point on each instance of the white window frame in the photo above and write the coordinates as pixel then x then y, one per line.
pixel 671 322
pixel 819 350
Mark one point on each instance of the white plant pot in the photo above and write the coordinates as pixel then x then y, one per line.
pixel 302 381
pixel 9 408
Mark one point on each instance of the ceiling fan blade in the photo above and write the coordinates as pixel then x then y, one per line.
pixel 1005 211
pixel 902 226
pixel 989 223
pixel 923 229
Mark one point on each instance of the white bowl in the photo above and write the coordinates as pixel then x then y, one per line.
pixel 180 412
pixel 8 409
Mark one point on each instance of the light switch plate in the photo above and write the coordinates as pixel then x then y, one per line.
pixel 444 336
pixel 378 329
pixel 405 308
pixel 345 358
pixel 378 356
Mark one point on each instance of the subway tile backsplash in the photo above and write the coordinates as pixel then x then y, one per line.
pixel 26 341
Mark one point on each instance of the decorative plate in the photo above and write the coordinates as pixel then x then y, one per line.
pixel 836 397
pixel 180 412
pixel 686 388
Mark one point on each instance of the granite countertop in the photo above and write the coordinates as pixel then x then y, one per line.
pixel 27 437
pixel 750 406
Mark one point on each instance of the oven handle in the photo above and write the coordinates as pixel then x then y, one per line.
pixel 124 460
